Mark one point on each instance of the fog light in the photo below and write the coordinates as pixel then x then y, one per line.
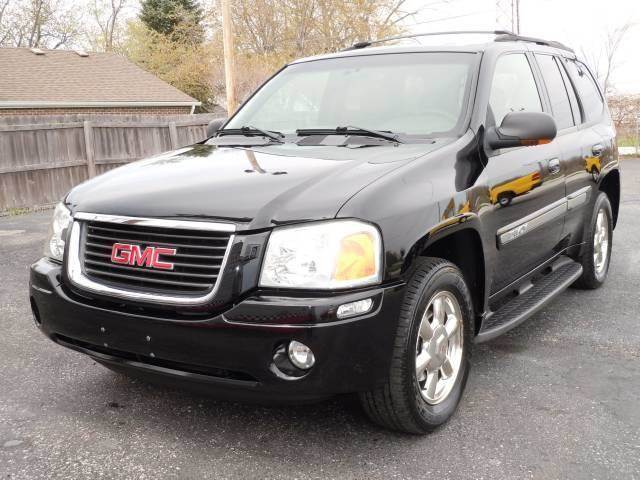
pixel 354 308
pixel 301 355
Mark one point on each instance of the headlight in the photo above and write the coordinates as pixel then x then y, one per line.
pixel 54 247
pixel 323 255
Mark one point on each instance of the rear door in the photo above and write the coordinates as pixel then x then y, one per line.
pixel 565 109
pixel 526 184
pixel 595 142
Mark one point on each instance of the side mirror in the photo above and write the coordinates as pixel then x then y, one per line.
pixel 520 129
pixel 214 126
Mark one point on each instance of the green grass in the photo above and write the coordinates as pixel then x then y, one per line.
pixel 627 141
pixel 15 211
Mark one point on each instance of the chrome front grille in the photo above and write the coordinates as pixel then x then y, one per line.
pixel 200 253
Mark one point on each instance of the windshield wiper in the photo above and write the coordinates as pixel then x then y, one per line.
pixel 376 133
pixel 249 130
pixel 352 130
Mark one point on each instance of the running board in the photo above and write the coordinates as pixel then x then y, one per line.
pixel 532 297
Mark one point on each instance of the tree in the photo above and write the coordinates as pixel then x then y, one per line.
pixel 625 113
pixel 168 41
pixel 106 15
pixel 38 23
pixel 605 62
pixel 5 31
pixel 170 17
pixel 270 33
pixel 292 28
pixel 184 65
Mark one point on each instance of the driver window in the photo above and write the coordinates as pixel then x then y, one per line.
pixel 513 88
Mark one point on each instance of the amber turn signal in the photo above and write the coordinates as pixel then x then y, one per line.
pixel 356 257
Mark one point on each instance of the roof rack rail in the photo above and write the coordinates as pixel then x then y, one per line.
pixel 512 37
pixel 368 43
pixel 501 36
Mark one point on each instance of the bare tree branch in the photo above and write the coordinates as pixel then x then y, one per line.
pixel 36 24
pixel 605 62
pixel 4 31
pixel 106 30
pixel 614 40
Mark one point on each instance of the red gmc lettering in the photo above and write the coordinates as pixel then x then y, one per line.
pixel 139 257
pixel 127 254
pixel 156 263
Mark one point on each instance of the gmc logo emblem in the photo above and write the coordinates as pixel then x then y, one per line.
pixel 127 254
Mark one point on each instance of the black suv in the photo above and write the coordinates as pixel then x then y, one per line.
pixel 356 226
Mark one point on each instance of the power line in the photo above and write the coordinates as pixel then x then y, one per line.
pixel 444 19
pixel 508 15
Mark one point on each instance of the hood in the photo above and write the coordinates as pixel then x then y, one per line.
pixel 255 188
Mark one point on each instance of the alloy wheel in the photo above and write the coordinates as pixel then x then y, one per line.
pixel 439 347
pixel 601 242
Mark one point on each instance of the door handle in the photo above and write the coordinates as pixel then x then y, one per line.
pixel 554 165
pixel 597 150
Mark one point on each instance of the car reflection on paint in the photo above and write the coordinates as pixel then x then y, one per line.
pixel 504 193
pixel 593 166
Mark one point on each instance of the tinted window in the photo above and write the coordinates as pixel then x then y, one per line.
pixel 587 90
pixel 513 88
pixel 560 106
pixel 575 106
pixel 414 93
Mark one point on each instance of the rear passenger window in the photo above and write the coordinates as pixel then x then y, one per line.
pixel 588 92
pixel 560 105
pixel 575 106
pixel 513 88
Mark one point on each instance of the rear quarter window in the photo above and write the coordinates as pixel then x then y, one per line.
pixel 590 98
pixel 558 94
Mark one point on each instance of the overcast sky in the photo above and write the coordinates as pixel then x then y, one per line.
pixel 581 24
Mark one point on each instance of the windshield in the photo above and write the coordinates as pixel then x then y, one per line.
pixel 408 93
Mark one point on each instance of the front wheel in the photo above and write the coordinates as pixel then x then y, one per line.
pixel 598 242
pixel 431 354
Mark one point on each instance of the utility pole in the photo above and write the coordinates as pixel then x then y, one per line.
pixel 508 15
pixel 229 58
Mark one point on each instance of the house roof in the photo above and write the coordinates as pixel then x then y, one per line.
pixel 32 78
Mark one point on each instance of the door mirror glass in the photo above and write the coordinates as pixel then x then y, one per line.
pixel 214 126
pixel 522 129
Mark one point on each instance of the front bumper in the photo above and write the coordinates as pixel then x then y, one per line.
pixel 231 353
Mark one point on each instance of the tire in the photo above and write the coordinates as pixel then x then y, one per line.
pixel 401 403
pixel 504 199
pixel 595 273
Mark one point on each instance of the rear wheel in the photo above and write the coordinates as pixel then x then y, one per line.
pixel 431 353
pixel 598 242
pixel 504 199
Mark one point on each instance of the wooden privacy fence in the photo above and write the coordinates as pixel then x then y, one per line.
pixel 43 157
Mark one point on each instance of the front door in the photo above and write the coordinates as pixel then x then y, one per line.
pixel 526 184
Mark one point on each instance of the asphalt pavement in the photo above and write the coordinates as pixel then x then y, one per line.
pixel 557 398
